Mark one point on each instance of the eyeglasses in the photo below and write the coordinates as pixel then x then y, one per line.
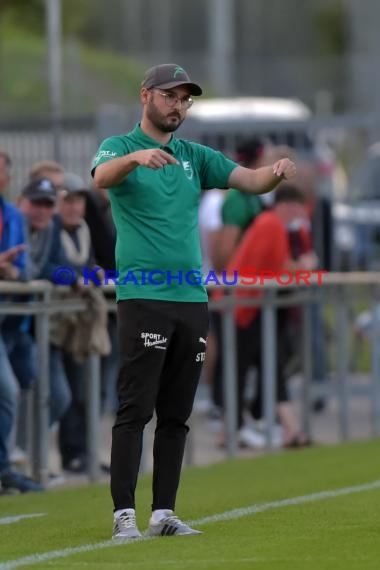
pixel 171 99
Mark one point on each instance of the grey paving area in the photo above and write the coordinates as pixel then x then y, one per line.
pixel 203 448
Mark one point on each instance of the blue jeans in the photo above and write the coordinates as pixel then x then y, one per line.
pixel 21 348
pixel 8 405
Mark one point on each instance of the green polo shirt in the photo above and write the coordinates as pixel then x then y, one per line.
pixel 156 217
pixel 240 209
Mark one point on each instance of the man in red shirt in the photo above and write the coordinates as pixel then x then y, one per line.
pixel 267 246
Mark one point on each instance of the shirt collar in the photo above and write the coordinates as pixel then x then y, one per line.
pixel 139 134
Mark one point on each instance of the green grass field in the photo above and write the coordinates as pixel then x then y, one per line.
pixel 332 522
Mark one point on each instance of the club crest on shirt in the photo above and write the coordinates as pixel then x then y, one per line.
pixel 188 169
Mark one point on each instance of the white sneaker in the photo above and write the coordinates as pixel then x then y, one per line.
pixel 276 433
pixel 54 480
pixel 18 456
pixel 248 437
pixel 124 526
pixel 170 525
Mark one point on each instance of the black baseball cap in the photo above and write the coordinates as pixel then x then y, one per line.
pixel 41 190
pixel 167 76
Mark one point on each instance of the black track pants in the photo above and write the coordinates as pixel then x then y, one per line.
pixel 162 349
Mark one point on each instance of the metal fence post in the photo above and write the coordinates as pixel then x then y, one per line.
pixel 93 415
pixel 375 365
pixel 307 354
pixel 269 358
pixel 29 425
pixel 42 397
pixel 342 360
pixel 229 375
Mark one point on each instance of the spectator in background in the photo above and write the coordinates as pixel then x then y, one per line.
pixel 210 226
pixel 97 211
pixel 12 267
pixel 49 169
pixel 12 228
pixel 266 246
pixel 98 215
pixel 76 242
pixel 239 208
pixel 10 479
pixel 319 210
pixel 37 202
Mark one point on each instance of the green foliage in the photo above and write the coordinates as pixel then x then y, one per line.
pixel 26 14
pixel 91 77
pixel 29 15
pixel 332 24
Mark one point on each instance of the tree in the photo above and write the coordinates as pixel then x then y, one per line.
pixel 30 14
pixel 332 23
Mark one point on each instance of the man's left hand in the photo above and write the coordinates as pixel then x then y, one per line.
pixel 285 168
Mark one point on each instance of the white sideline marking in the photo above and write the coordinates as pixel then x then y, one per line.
pixel 228 515
pixel 254 509
pixel 16 518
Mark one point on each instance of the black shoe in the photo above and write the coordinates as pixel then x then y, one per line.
pixel 14 481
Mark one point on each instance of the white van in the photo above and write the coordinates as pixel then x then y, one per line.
pixel 223 122
pixel 249 108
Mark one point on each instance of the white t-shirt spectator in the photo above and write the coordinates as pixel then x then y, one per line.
pixel 210 222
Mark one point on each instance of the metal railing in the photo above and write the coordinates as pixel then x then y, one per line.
pixel 335 284
pixel 41 306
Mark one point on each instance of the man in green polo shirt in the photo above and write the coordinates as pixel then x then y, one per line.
pixel 154 182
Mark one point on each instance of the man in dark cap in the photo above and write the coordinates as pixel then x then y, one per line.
pixel 154 181
pixel 38 202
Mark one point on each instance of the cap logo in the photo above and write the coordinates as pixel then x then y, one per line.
pixel 45 185
pixel 178 71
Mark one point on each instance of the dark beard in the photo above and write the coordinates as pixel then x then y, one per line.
pixel 162 122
